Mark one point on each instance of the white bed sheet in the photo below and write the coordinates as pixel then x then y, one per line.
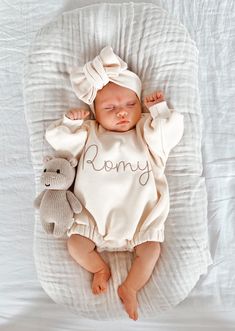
pixel 211 305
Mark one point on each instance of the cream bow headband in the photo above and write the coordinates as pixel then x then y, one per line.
pixel 95 74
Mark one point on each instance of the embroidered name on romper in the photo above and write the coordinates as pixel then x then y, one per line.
pixel 108 165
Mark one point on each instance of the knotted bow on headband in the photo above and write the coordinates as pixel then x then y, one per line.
pixel 95 74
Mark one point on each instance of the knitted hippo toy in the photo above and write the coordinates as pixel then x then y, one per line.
pixel 56 203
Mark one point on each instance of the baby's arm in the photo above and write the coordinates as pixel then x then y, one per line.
pixel 68 134
pixel 165 128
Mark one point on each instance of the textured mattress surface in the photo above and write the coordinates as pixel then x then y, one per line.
pixel 161 52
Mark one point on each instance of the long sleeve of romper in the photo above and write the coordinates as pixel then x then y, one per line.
pixel 163 131
pixel 68 135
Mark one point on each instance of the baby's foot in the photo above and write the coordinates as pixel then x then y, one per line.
pixel 129 299
pixel 100 280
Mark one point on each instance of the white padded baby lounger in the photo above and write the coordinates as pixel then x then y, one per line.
pixel 161 52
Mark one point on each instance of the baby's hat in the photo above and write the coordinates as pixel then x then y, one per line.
pixel 104 68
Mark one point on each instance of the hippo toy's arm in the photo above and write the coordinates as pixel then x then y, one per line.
pixel 74 202
pixel 37 201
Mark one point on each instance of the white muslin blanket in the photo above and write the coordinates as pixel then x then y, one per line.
pixel 161 52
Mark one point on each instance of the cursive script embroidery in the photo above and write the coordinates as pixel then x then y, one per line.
pixel 109 165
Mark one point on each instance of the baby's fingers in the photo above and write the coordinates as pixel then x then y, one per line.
pixel 149 98
pixel 70 115
pixel 77 114
pixel 159 95
pixel 84 113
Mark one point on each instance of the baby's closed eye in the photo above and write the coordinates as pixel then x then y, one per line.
pixel 131 104
pixel 109 107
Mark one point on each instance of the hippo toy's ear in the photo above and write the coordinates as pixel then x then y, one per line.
pixel 73 162
pixel 47 158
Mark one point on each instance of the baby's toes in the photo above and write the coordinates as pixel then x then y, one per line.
pixel 97 289
pixel 94 289
pixel 133 315
pixel 100 281
pixel 132 311
pixel 103 287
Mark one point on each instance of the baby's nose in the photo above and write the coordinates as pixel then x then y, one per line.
pixel 122 113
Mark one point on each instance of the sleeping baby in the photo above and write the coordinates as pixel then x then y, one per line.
pixel 120 179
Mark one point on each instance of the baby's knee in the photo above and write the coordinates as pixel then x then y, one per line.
pixel 72 244
pixel 155 248
pixel 79 245
pixel 149 248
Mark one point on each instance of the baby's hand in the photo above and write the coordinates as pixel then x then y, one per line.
pixel 77 114
pixel 154 98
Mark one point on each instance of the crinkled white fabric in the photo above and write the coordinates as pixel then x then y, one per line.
pixel 161 52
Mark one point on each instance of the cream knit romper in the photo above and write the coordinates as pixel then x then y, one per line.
pixel 120 177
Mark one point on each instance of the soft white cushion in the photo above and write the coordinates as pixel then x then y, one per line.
pixel 161 52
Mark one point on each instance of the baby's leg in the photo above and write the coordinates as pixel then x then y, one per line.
pixel 82 250
pixel 147 255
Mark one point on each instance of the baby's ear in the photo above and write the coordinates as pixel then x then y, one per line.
pixel 47 158
pixel 73 162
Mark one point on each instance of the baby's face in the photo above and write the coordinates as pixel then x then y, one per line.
pixel 117 108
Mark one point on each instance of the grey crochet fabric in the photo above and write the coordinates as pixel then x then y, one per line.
pixel 56 203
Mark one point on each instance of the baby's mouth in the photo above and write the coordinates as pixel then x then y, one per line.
pixel 123 122
pixel 47 185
